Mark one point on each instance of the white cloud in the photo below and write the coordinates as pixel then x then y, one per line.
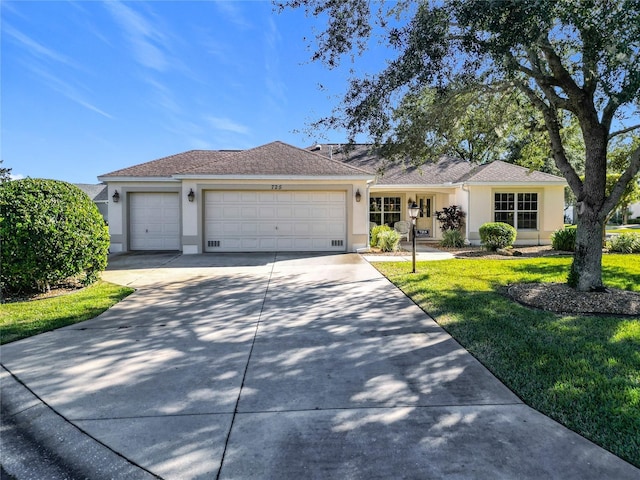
pixel 231 11
pixel 72 92
pixel 227 125
pixel 145 39
pixel 16 176
pixel 36 48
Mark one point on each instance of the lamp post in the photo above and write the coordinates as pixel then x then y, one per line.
pixel 414 211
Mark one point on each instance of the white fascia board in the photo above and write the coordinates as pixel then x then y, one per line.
pixel 415 186
pixel 274 177
pixel 137 179
pixel 518 184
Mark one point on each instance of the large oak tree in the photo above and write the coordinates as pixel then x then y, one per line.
pixel 576 59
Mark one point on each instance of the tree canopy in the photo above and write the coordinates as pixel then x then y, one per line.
pixel 573 61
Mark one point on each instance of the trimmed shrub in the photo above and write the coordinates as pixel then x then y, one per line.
pixel 627 242
pixel 376 231
pixel 452 239
pixel 50 231
pixel 495 235
pixel 564 239
pixel 388 240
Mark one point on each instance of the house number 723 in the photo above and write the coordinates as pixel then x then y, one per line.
pixel 276 187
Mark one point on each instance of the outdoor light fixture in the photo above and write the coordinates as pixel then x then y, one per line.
pixel 414 211
pixel 358 195
pixel 191 196
pixel 116 197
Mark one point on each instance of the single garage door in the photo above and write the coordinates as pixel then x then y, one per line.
pixel 275 221
pixel 154 221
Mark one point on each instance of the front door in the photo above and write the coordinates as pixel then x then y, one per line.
pixel 424 222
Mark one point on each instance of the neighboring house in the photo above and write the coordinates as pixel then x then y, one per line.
pixel 277 197
pixel 97 193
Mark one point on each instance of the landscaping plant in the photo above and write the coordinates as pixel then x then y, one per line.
pixel 625 243
pixel 450 218
pixel 495 235
pixel 452 239
pixel 376 231
pixel 564 239
pixel 388 240
pixel 50 231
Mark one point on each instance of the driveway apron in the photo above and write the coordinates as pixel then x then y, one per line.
pixel 280 366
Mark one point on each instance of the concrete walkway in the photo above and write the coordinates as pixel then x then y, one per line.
pixel 272 367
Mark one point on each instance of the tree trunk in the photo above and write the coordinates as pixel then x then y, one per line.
pixel 586 270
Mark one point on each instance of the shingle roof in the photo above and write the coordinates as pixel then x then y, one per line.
pixel 280 159
pixel 276 158
pixel 172 165
pixel 502 172
pixel 445 170
pixel 96 193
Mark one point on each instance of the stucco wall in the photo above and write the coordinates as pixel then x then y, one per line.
pixel 550 212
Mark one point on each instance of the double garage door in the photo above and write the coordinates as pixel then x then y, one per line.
pixel 269 221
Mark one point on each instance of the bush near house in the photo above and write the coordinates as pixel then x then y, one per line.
pixel 51 231
pixel 389 240
pixel 452 239
pixel 450 218
pixel 451 222
pixel 564 239
pixel 626 242
pixel 495 235
pixel 376 231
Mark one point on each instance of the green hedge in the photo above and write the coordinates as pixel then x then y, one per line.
pixel 50 231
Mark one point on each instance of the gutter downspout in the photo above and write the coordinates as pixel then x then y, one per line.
pixel 466 224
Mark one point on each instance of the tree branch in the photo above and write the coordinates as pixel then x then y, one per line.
pixel 618 189
pixel 560 73
pixel 553 128
pixel 623 131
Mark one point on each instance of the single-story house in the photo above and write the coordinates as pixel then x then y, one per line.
pixel 97 193
pixel 278 197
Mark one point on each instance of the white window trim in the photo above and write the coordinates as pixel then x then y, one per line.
pixel 515 207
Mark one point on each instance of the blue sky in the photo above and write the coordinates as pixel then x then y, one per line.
pixel 89 87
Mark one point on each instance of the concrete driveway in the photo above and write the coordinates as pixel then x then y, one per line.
pixel 275 366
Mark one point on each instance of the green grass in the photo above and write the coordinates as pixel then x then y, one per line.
pixel 24 319
pixel 583 371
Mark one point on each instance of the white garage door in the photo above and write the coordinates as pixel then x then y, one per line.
pixel 275 221
pixel 154 221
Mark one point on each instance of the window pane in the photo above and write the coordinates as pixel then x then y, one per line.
pixel 392 204
pixel 505 217
pixel 376 204
pixel 527 220
pixel 390 218
pixel 375 218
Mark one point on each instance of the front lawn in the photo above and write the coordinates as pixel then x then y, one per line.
pixel 24 319
pixel 583 371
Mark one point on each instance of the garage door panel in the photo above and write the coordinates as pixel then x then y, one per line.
pixel 154 221
pixel 275 221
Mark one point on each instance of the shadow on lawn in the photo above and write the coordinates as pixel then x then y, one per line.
pixel 579 370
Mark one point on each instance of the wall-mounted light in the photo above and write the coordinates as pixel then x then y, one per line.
pixel 358 195
pixel 191 196
pixel 116 197
pixel 410 202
